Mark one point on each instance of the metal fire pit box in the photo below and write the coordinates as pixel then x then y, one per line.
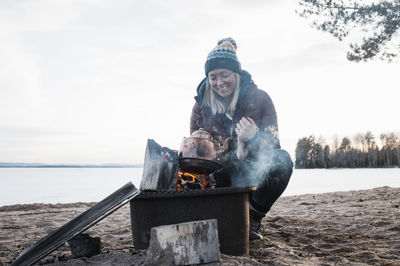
pixel 229 205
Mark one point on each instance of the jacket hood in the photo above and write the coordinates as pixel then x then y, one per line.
pixel 245 82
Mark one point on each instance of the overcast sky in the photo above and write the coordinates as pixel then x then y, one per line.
pixel 91 81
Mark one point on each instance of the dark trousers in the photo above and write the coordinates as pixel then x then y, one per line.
pixel 270 172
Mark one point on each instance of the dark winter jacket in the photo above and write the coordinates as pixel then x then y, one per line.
pixel 252 102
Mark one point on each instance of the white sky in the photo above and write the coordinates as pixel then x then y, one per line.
pixel 91 81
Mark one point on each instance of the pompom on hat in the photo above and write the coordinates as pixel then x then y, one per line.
pixel 223 56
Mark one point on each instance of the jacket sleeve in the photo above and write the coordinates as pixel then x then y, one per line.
pixel 195 118
pixel 270 123
pixel 267 137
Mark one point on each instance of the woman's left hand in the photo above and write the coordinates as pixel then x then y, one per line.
pixel 246 129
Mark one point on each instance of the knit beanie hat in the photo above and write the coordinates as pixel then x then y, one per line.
pixel 223 56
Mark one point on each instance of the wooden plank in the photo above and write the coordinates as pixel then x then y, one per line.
pixel 77 225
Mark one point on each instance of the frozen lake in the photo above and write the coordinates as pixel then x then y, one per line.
pixel 64 185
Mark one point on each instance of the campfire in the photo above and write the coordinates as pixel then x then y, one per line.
pixel 179 178
pixel 187 180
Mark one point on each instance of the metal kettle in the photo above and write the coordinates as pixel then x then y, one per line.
pixel 199 145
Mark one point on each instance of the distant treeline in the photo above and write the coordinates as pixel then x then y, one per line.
pixel 360 152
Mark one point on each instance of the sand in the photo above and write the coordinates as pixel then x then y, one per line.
pixel 342 228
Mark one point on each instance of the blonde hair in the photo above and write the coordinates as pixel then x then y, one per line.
pixel 215 102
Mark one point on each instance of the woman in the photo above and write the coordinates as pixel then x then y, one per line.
pixel 229 105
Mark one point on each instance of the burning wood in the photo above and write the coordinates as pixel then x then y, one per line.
pixel 163 170
pixel 193 181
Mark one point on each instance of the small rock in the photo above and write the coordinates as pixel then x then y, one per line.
pixel 84 245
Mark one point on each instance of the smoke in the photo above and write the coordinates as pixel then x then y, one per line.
pixel 265 160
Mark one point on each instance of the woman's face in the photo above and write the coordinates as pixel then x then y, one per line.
pixel 222 81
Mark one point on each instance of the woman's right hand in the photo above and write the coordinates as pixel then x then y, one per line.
pixel 246 129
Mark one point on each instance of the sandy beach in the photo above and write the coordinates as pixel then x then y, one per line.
pixel 341 228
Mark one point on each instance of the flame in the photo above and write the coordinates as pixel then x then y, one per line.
pixel 192 180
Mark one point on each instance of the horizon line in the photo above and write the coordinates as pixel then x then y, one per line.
pixel 69 165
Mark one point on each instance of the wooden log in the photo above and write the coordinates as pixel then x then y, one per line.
pixel 185 243
pixel 159 169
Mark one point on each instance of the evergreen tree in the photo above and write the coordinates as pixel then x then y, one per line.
pixel 327 157
pixel 303 152
pixel 378 22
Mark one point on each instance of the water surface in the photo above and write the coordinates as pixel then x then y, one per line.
pixel 64 185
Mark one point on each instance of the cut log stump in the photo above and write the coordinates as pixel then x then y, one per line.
pixel 185 243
